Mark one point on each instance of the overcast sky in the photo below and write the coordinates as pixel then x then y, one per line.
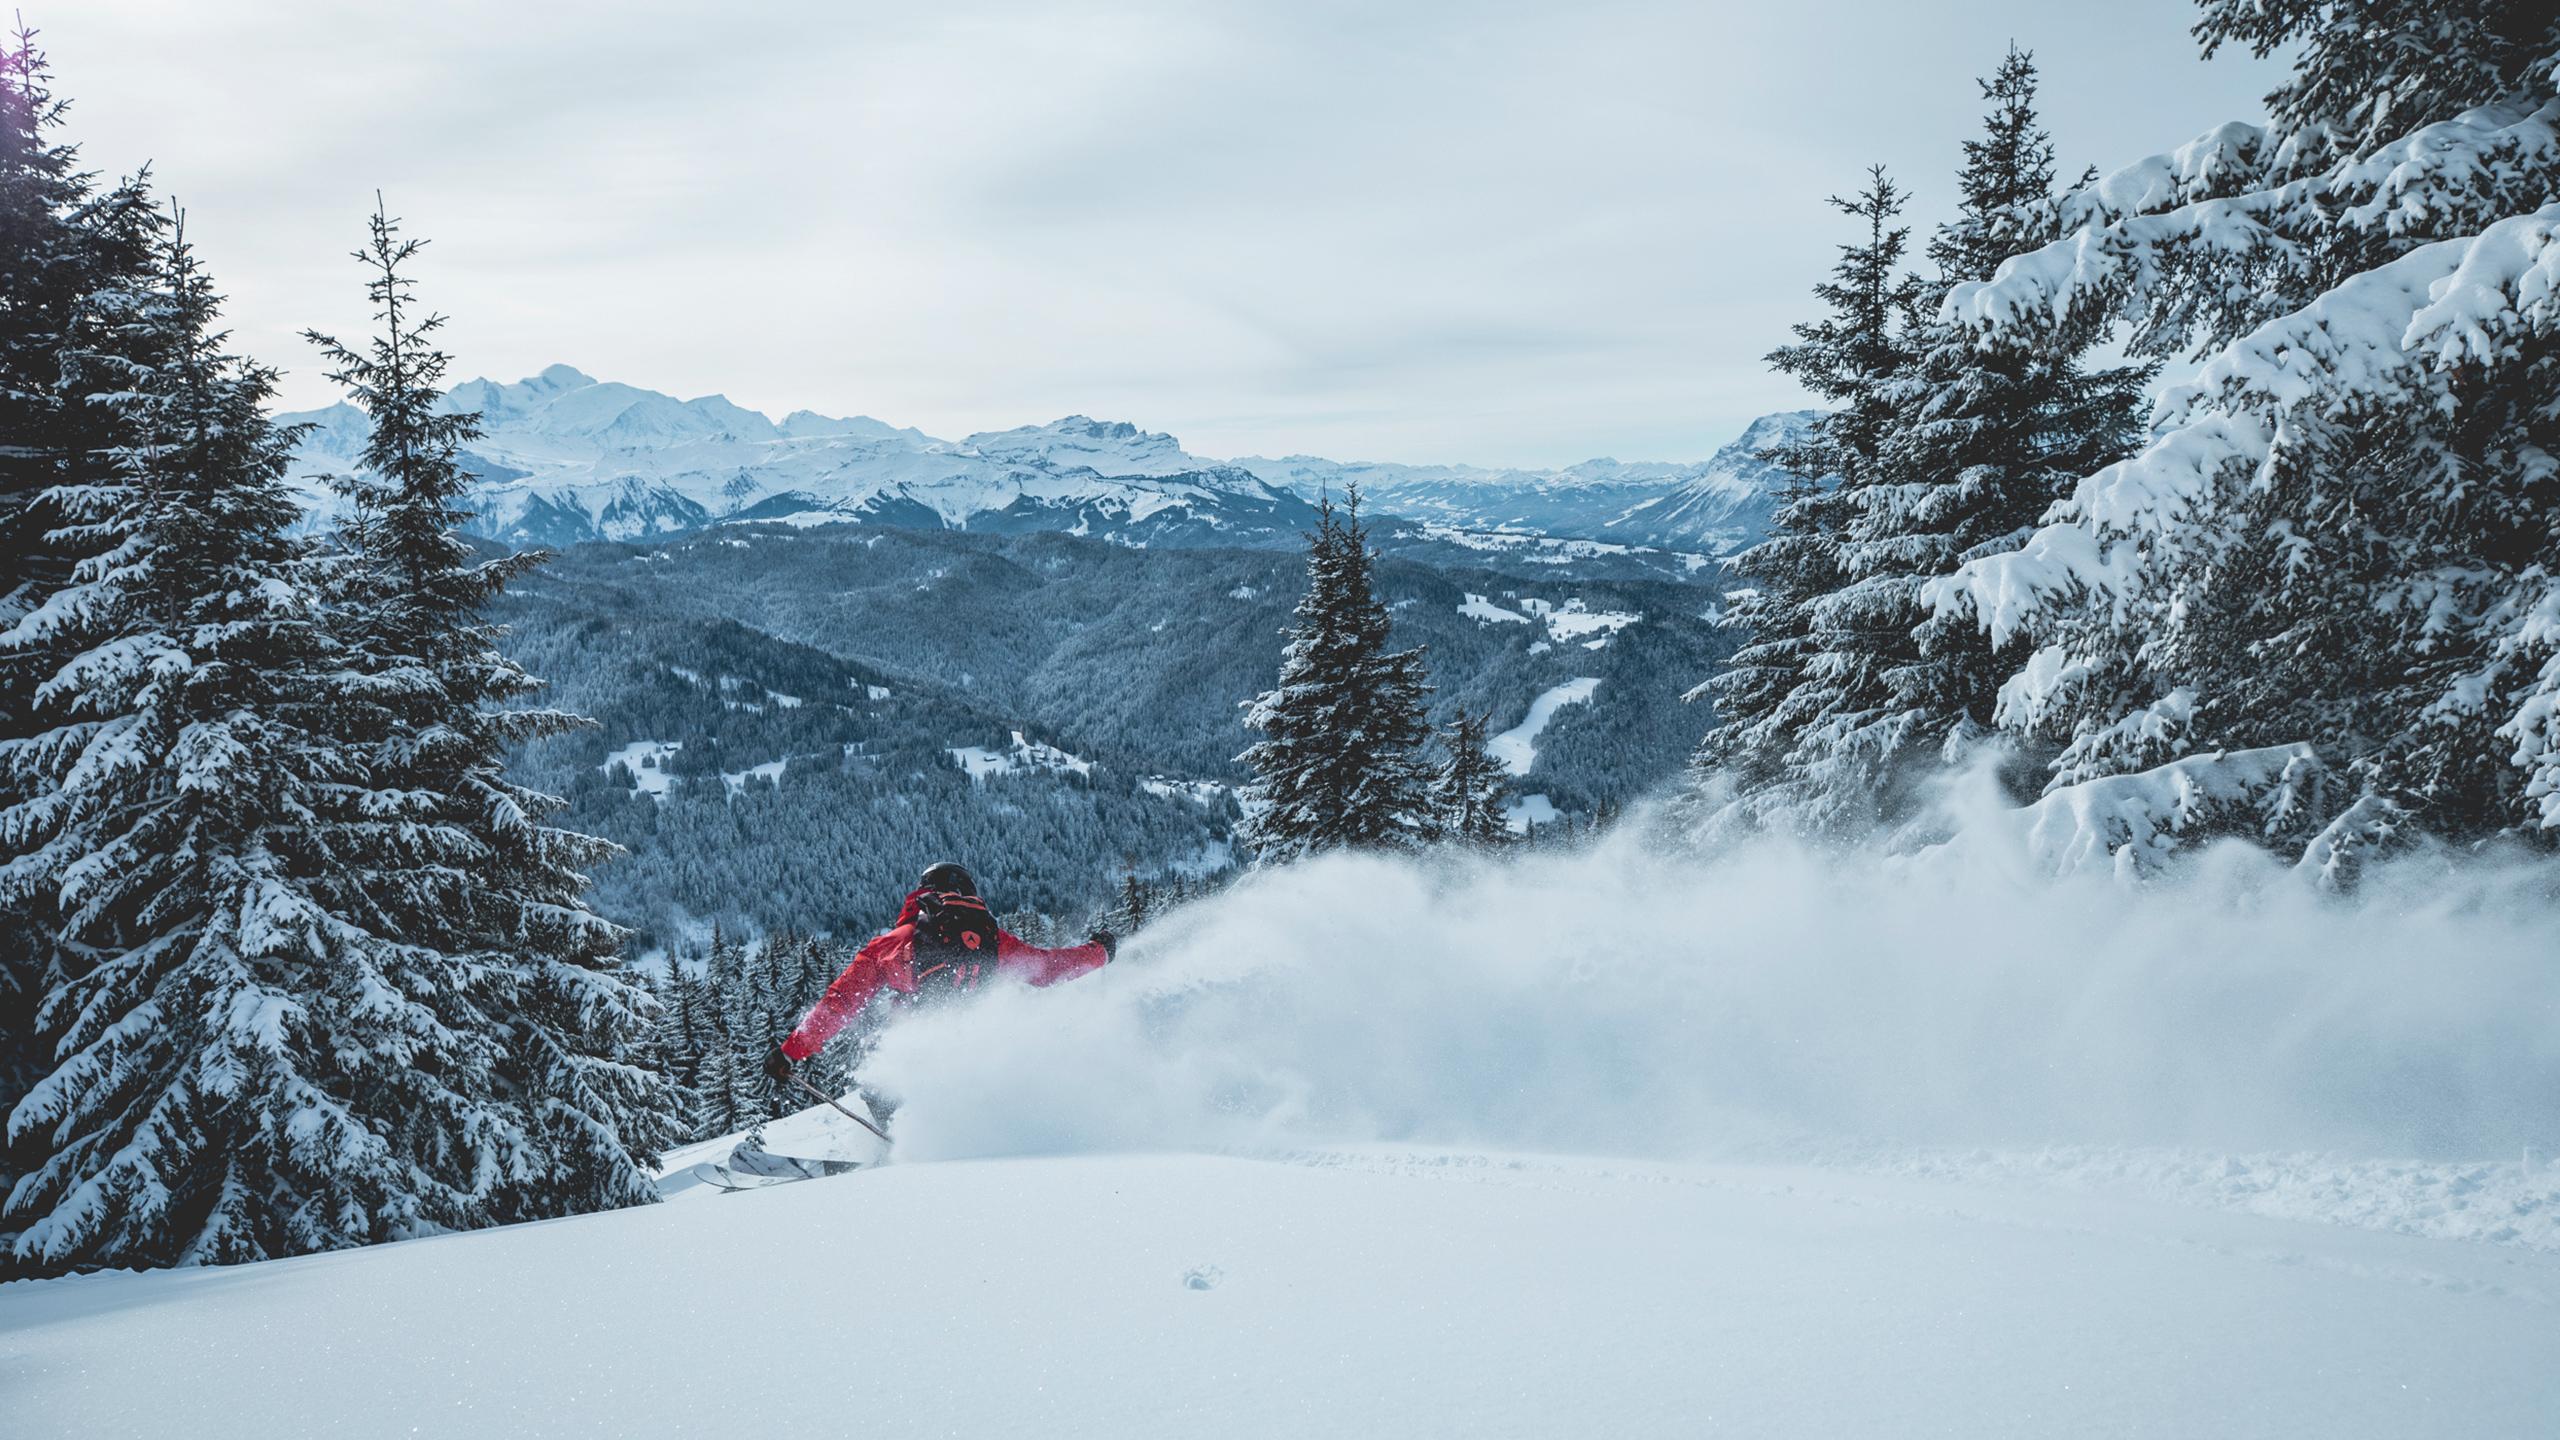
pixel 1395 229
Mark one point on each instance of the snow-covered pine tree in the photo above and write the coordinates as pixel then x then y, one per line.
pixel 676 1045
pixel 457 860
pixel 1781 680
pixel 1467 795
pixel 1136 903
pixel 2344 534
pixel 238 1070
pixel 1981 440
pixel 731 1092
pixel 831 1069
pixel 1340 764
pixel 64 244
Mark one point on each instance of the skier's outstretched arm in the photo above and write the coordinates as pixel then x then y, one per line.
pixel 1024 960
pixel 886 963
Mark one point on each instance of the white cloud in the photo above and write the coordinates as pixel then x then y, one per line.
pixel 1440 230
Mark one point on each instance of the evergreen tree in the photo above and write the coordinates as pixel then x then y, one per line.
pixel 2340 541
pixel 64 244
pixel 66 249
pixel 1466 798
pixel 728 1089
pixel 831 1069
pixel 1979 442
pixel 676 1049
pixel 457 860
pixel 1782 679
pixel 1339 765
pixel 1136 903
pixel 238 1071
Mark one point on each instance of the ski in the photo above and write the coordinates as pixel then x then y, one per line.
pixel 721 1177
pixel 748 1169
pixel 724 1177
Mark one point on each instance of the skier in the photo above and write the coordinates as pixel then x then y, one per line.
pixel 946 942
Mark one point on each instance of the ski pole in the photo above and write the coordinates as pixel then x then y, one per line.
pixel 849 1115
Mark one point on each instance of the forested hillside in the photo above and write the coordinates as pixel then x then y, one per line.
pixel 796 704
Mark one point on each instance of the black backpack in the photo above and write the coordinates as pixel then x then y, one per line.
pixel 955 943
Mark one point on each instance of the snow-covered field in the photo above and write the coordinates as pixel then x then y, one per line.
pixel 1572 1145
pixel 1365 1292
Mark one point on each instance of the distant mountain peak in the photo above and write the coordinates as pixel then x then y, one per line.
pixel 1086 425
pixel 1106 447
pixel 565 456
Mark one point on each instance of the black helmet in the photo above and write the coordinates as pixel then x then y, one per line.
pixel 949 876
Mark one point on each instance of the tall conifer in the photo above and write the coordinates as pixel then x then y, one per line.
pixel 1778 683
pixel 458 860
pixel 1339 765
pixel 1467 794
pixel 235 1071
pixel 1978 441
pixel 67 249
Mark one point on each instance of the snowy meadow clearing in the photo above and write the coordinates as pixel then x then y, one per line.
pixel 1573 1144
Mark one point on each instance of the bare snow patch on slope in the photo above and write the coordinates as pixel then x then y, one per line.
pixel 1197 792
pixel 1572 621
pixel 647 762
pixel 1025 754
pixel 1569 623
pixel 1517 747
pixel 1484 612
pixel 1521 813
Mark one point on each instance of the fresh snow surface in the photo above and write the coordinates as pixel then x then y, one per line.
pixel 1517 747
pixel 1351 1292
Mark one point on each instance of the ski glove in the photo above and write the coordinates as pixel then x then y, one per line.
pixel 777 1066
pixel 1109 942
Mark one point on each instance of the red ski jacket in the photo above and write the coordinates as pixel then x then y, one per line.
pixel 889 962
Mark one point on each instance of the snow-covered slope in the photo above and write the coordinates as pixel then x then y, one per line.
pixel 1517 747
pixel 1935 1149
pixel 1724 504
pixel 1341 1293
pixel 567 457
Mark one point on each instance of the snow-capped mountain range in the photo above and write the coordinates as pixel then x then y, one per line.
pixel 1711 507
pixel 566 457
